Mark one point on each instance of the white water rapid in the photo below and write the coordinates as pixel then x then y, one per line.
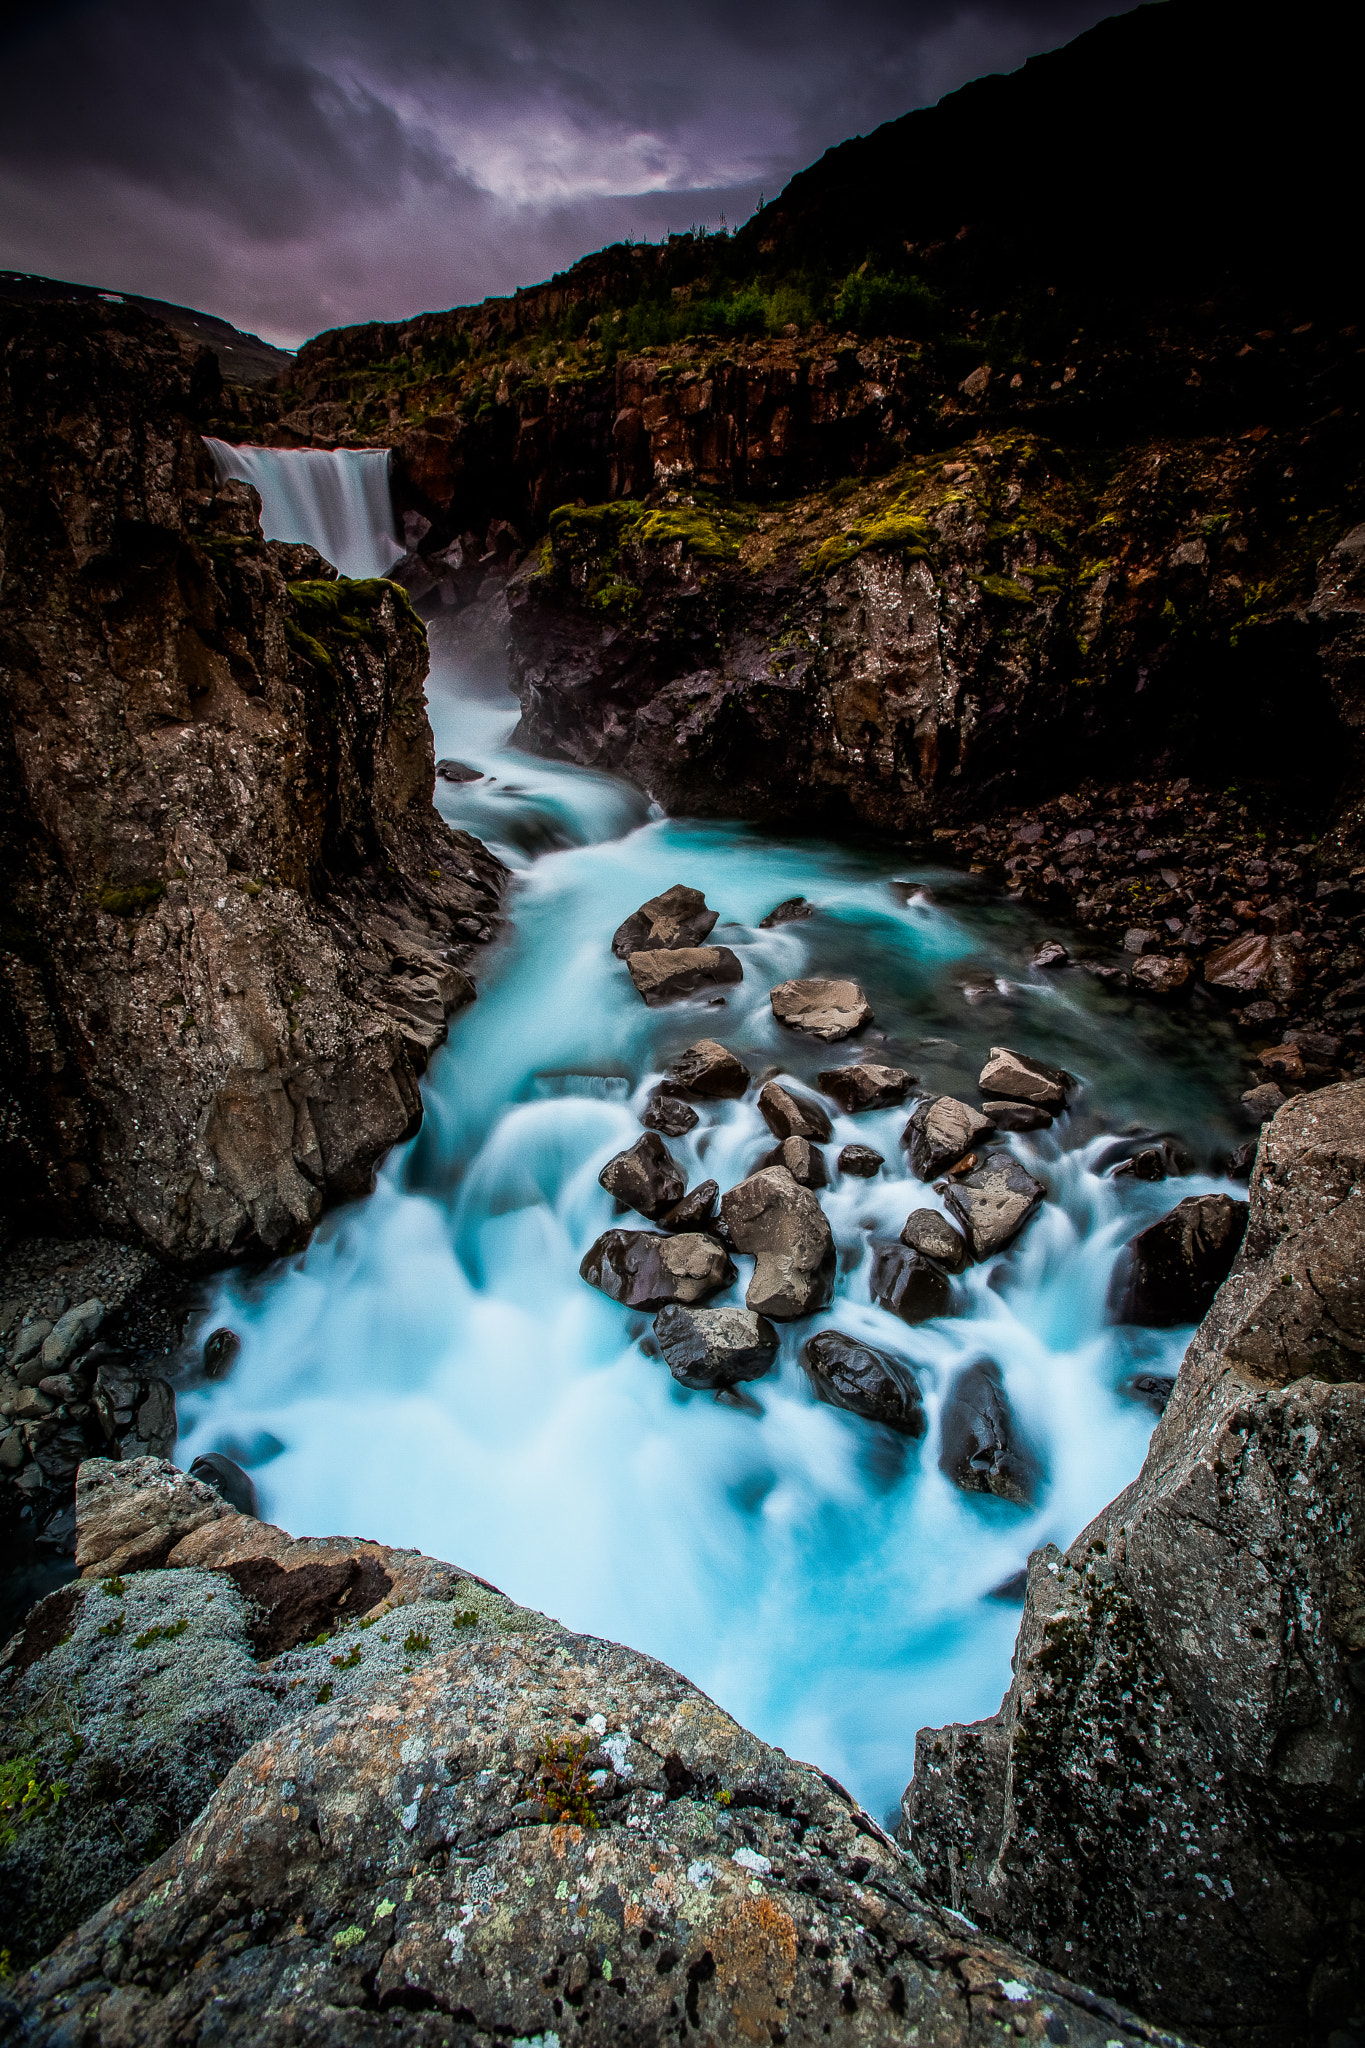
pixel 433 1371
pixel 337 500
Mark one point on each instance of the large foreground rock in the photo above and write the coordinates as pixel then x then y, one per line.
pixel 238 923
pixel 665 976
pixel 679 917
pixel 715 1347
pixel 644 1269
pixel 825 1009
pixel 1172 1795
pixel 1172 1270
pixel 940 1131
pixel 871 1383
pixel 785 1230
pixel 467 1824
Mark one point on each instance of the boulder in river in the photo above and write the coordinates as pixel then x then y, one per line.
pixel 668 1114
pixel 678 918
pixel 993 1202
pixel 803 1161
pixel 786 912
pixel 850 1374
pixel 909 1285
pixel 1160 974
pixel 782 1226
pixel 227 1478
pixel 861 1161
pixel 924 1230
pixel 941 1130
pixel 696 1210
pixel 1014 1078
pixel 865 1086
pixel 709 1069
pixel 458 771
pixel 646 1178
pixel 982 1450
pixel 1173 1269
pixel 1017 1116
pixel 826 1009
pixel 666 974
pixel 793 1116
pixel 644 1269
pixel 1052 953
pixel 707 1348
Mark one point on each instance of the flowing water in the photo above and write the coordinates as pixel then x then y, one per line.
pixel 433 1371
pixel 337 500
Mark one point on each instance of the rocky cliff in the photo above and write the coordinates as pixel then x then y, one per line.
pixel 234 923
pixel 1171 1799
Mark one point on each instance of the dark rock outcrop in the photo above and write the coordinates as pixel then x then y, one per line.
pixel 849 1374
pixel 644 1269
pixel 1172 1270
pixel 646 1178
pixel 982 1450
pixel 784 1229
pixel 1173 1792
pixel 234 916
pixel 709 1348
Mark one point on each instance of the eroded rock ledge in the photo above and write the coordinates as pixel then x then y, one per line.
pixel 234 921
pixel 450 1819
pixel 1171 1799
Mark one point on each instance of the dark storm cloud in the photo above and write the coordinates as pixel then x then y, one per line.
pixel 295 163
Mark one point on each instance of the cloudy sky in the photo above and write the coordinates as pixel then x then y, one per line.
pixel 297 164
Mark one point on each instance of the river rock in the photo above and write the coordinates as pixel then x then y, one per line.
pixel 1173 1269
pixel 668 1114
pixel 709 1069
pixel 131 1513
pixel 786 912
pixel 458 771
pixel 909 1285
pixel 994 1202
pixel 1160 975
pixel 694 1211
pixel 778 1222
pixel 1017 1116
pixel 825 1009
pixel 1016 1079
pixel 982 1451
pixel 924 1230
pixel 221 1348
pixel 865 1086
pixel 227 1478
pixel 941 1130
pixel 1242 965
pixel 706 1348
pixel 850 1374
pixel 665 975
pixel 793 1116
pixel 72 1334
pixel 861 1161
pixel 646 1178
pixel 644 1269
pixel 1052 953
pixel 803 1161
pixel 679 919
pixel 1260 1103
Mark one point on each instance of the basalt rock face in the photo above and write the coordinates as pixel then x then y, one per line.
pixel 463 1822
pixel 1172 1795
pixel 234 921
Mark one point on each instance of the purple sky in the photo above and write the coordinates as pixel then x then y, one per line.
pixel 298 164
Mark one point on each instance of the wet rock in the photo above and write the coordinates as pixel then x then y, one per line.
pixel 1159 975
pixel 793 1116
pixel 994 1202
pixel 924 1230
pixel 1241 1162
pixel 982 1451
pixel 679 919
pixel 861 1161
pixel 667 1113
pixel 221 1348
pixel 694 1211
pixel 850 1374
pixel 1241 966
pixel 1173 1269
pixel 709 1069
pixel 1017 1116
pixel 130 1514
pixel 1153 1162
pixel 782 1226
pixel 803 1161
pixel 228 1479
pixel 908 1284
pixel 665 975
pixel 865 1086
pixel 825 1009
pixel 1014 1078
pixel 72 1334
pixel 1052 953
pixel 787 912
pixel 706 1348
pixel 457 771
pixel 1154 1389
pixel 646 1178
pixel 1011 1591
pixel 941 1129
pixel 1261 1103
pixel 643 1269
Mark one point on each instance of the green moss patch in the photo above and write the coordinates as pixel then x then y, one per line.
pixel 131 898
pixel 895 531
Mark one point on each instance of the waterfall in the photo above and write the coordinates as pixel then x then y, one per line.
pixel 334 499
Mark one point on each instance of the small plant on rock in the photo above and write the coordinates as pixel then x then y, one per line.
pixel 414 1641
pixel 562 1786
pixel 24 1796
